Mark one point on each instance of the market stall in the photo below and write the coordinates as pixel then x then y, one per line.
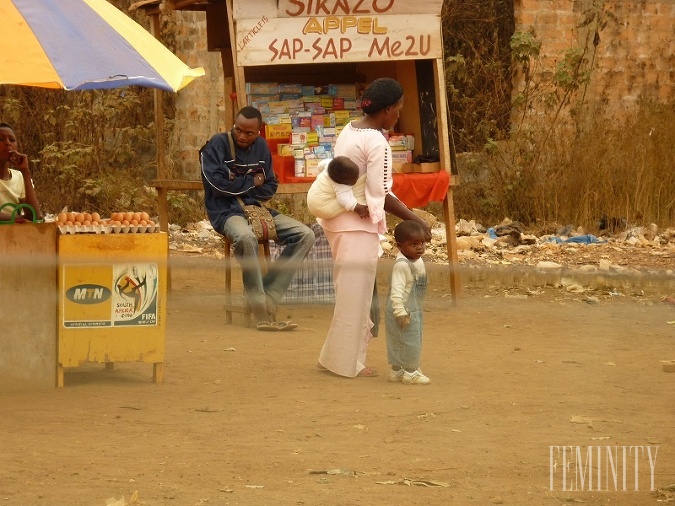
pixel 112 298
pixel 276 53
pixel 77 295
pixel 82 290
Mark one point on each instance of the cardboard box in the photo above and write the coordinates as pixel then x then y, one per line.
pixel 401 157
pixel 262 88
pixel 312 138
pixel 299 138
pixel 312 167
pixel 421 167
pixel 281 131
pixel 285 149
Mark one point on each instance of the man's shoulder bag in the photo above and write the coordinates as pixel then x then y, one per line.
pixel 261 221
pixel 258 216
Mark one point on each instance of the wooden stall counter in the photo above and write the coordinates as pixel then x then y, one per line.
pixel 112 299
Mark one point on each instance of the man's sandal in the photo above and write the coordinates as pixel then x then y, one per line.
pixel 267 326
pixel 282 326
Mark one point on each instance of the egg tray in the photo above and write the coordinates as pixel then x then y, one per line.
pixel 108 229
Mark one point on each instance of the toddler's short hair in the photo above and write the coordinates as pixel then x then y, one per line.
pixel 343 170
pixel 407 229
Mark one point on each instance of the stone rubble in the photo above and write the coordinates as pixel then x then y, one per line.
pixel 639 252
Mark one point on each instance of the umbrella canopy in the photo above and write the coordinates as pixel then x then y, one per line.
pixel 83 45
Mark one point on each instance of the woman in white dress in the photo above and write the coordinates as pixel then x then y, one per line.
pixel 354 242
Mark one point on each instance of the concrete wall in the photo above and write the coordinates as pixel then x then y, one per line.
pixel 635 57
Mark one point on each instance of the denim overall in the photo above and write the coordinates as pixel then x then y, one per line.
pixel 404 346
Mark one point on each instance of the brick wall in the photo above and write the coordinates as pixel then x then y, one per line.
pixel 200 105
pixel 635 57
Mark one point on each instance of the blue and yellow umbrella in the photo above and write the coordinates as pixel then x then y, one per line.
pixel 83 45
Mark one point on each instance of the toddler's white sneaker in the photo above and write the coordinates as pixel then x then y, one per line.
pixel 415 378
pixel 396 376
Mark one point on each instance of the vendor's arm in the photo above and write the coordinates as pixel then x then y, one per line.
pixel 30 197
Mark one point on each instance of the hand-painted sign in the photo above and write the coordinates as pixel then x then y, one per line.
pixel 295 8
pixel 325 31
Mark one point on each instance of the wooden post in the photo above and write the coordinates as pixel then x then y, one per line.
pixel 163 208
pixel 447 158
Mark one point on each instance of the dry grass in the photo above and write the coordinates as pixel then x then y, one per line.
pixel 576 173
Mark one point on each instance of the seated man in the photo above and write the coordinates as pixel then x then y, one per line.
pixel 247 173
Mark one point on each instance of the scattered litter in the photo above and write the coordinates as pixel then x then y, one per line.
pixel 111 501
pixel 589 422
pixel 339 471
pixel 419 483
pixel 230 349
pixel 255 486
pixel 600 438
pixel 207 410
pixel 582 419
pixel 574 288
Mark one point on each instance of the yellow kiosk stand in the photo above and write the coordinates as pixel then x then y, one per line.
pixel 112 300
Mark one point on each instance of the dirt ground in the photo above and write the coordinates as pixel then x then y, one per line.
pixel 246 418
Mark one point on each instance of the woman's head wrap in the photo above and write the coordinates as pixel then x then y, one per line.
pixel 381 93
